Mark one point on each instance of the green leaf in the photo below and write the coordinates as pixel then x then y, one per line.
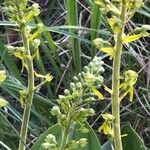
pixel 95 24
pixel 107 146
pixel 4 145
pixel 72 10
pixel 92 140
pixel 132 141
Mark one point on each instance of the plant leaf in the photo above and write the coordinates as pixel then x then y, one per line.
pixel 107 146
pixel 132 141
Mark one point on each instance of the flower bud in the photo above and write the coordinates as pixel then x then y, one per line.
pixel 86 69
pixel 35 9
pixel 75 79
pixel 50 138
pixel 55 111
pixel 79 85
pixel 63 120
pixel 82 142
pixel 72 86
pixel 46 145
pixel 90 99
pixel 50 142
pixel 40 26
pixel 82 109
pixel 82 74
pixel 90 64
pixel 2 75
pixel 3 102
pixel 22 49
pixel 10 47
pixel 36 43
pixel 28 29
pixel 90 112
pixel 61 96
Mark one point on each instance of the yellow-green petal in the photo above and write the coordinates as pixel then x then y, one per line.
pixel 3 102
pixel 2 76
pixel 97 93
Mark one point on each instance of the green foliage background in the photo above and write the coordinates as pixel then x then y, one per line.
pixel 61 58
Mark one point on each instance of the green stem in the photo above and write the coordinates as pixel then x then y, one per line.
pixel 116 82
pixel 65 134
pixel 27 109
pixel 64 139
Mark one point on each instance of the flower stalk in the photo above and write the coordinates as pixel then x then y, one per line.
pixel 119 14
pixel 73 108
pixel 116 81
pixel 65 135
pixel 21 14
pixel 30 93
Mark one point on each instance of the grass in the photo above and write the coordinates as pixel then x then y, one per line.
pixel 94 24
pixel 72 20
pixel 60 43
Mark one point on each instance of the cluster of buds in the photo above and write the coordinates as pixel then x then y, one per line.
pixel 114 18
pixel 72 109
pixel 79 144
pixel 19 12
pixel 133 5
pixel 114 10
pixel 80 93
pixel 51 143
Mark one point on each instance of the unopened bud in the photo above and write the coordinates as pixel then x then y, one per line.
pixel 55 110
pixel 66 91
pixel 35 9
pixel 79 85
pixel 40 26
pixel 10 47
pixel 82 142
pixel 36 43
pixel 72 86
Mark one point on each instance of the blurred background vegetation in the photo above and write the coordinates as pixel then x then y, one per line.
pixel 65 48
